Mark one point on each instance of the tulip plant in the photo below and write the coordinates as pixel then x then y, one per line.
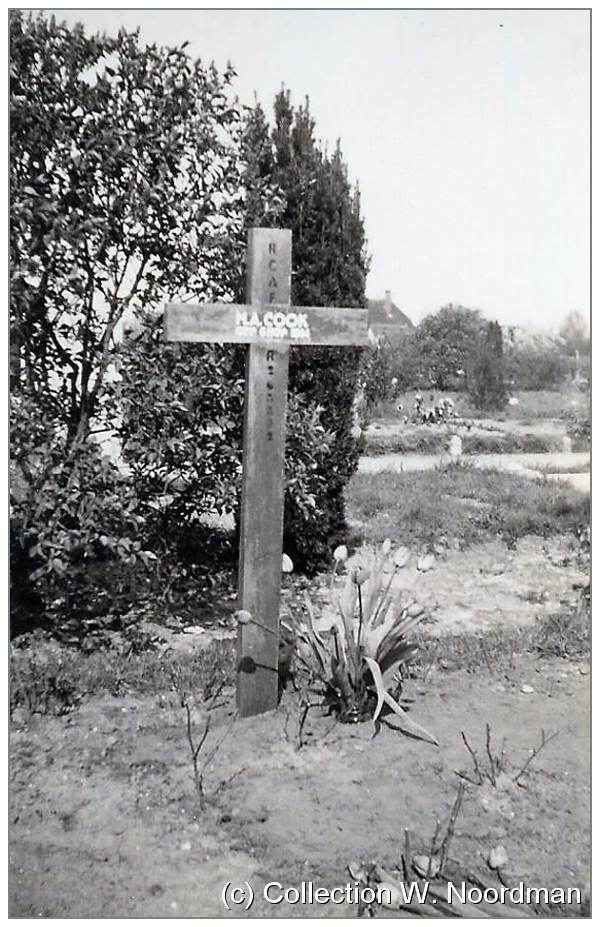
pixel 357 664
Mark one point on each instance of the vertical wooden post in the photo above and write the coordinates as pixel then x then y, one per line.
pixel 268 281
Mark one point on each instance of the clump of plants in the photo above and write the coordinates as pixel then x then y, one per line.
pixel 358 665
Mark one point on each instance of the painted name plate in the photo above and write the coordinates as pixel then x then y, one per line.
pixel 263 324
pixel 282 326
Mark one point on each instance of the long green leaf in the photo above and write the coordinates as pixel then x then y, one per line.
pixel 404 723
pixel 378 680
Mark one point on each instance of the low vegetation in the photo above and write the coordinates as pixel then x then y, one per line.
pixel 436 441
pixel 461 502
pixel 357 666
pixel 566 634
pixel 50 678
pixel 532 405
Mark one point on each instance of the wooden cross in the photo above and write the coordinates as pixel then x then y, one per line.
pixel 269 325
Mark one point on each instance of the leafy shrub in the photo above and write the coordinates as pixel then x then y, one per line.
pixel 307 522
pixel 442 348
pixel 40 679
pixel 510 443
pixel 71 509
pixel 181 432
pixel 126 188
pixel 358 664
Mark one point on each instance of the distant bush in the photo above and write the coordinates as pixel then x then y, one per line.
pixel 537 365
pixel 440 350
pixel 388 369
pixel 579 430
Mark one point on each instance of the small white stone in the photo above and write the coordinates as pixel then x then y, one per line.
pixel 186 846
pixel 498 857
pixel 425 865
pixel 527 689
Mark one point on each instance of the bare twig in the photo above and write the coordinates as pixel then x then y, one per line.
pixel 534 753
pixel 195 750
pixel 306 706
pixel 492 759
pixel 302 714
pixel 445 847
pixel 431 663
pixel 406 859
pixel 436 834
pixel 225 782
pixel 473 756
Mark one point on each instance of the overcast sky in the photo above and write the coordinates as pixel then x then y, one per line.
pixel 468 132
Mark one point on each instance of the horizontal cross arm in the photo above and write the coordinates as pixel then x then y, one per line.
pixel 265 323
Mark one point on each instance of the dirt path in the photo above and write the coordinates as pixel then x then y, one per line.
pixel 104 820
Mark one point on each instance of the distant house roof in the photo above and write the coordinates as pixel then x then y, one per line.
pixel 385 312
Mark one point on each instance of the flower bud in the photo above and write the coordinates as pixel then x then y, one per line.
pixel 340 553
pixel 386 547
pixel 401 557
pixel 415 609
pixel 424 564
pixel 359 575
pixel 242 616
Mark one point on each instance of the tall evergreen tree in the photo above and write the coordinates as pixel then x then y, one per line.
pixel 489 388
pixel 330 266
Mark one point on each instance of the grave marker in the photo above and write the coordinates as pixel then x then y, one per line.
pixel 269 325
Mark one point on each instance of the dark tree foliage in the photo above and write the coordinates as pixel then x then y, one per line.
pixel 329 269
pixel 442 347
pixel 488 390
pixel 126 190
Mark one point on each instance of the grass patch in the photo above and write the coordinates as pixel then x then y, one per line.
pixel 459 501
pixel 554 468
pixel 50 678
pixel 566 635
pixel 431 440
pixel 511 443
pixel 414 441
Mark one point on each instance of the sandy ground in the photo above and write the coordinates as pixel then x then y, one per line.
pixel 104 820
pixel 486 587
